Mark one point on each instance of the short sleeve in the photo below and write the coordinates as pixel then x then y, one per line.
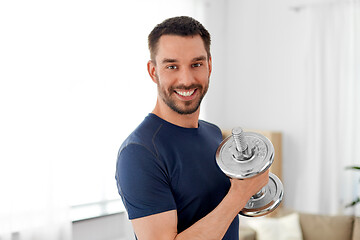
pixel 142 182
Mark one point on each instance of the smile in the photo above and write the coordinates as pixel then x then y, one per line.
pixel 185 93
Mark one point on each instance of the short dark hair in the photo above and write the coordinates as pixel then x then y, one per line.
pixel 180 26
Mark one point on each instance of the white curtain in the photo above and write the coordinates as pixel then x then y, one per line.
pixel 33 163
pixel 332 79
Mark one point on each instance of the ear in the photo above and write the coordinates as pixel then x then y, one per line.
pixel 151 67
pixel 210 65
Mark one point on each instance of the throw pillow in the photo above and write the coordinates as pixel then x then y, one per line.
pixel 283 228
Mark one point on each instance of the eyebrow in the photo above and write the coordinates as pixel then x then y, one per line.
pixel 169 60
pixel 172 60
pixel 200 58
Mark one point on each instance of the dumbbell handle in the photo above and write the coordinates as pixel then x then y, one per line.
pixel 244 152
pixel 239 139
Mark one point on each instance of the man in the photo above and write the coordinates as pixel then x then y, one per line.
pixel 166 170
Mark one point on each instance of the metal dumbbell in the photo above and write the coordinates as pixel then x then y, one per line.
pixel 244 155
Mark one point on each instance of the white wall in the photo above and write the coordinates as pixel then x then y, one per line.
pixel 255 82
pixel 257 46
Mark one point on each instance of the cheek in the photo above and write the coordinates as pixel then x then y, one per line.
pixel 203 75
pixel 165 79
pixel 163 84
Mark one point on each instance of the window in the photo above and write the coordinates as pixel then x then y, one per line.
pixel 77 88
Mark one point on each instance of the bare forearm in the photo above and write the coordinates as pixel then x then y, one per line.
pixel 211 227
pixel 215 224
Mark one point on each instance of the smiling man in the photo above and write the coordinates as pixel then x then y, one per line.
pixel 181 70
pixel 166 171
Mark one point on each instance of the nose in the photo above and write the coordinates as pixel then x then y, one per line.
pixel 186 77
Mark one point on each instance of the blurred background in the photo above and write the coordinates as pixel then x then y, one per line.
pixel 74 84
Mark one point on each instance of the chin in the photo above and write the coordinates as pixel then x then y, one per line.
pixel 186 110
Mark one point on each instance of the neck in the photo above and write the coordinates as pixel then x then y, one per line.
pixel 182 120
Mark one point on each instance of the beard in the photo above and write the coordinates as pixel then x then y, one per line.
pixel 183 108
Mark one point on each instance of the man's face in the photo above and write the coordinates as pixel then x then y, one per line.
pixel 182 72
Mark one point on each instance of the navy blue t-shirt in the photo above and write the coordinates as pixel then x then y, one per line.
pixel 162 167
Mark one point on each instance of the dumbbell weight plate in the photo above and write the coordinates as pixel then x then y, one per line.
pixel 268 202
pixel 261 160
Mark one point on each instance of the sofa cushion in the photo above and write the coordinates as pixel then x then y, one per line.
pixel 326 227
pixel 247 233
pixel 356 229
pixel 282 228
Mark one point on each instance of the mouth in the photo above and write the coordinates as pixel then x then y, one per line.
pixel 185 93
pixel 188 93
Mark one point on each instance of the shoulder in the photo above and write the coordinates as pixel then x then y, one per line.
pixel 209 125
pixel 210 128
pixel 140 150
pixel 142 137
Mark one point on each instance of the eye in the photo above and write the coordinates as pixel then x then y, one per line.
pixel 171 67
pixel 196 64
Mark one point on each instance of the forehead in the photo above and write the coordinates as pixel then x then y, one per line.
pixel 181 48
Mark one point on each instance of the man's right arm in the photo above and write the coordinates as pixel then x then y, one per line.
pixel 163 226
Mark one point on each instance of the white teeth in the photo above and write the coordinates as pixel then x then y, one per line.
pixel 186 94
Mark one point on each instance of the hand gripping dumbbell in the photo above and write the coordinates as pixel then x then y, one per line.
pixel 244 155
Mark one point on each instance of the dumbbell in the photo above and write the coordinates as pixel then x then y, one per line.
pixel 244 155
